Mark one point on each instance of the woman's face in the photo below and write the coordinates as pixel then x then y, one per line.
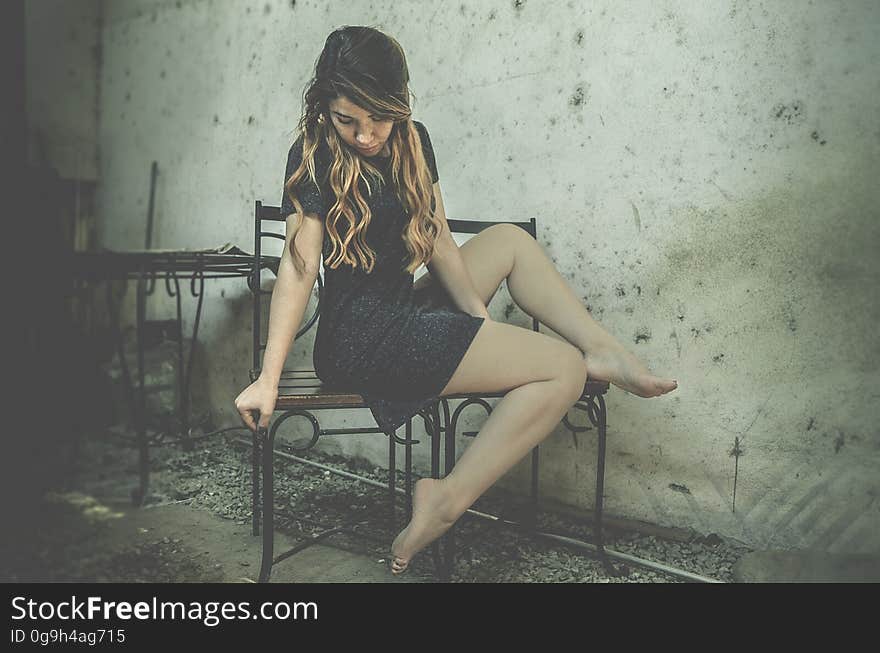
pixel 366 134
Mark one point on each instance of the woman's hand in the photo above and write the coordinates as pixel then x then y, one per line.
pixel 259 396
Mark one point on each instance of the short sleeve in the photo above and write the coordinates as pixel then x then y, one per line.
pixel 428 149
pixel 307 191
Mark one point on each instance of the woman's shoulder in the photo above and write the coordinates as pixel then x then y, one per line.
pixel 420 127
pixel 423 135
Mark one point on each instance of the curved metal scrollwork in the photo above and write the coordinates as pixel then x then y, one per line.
pixel 427 419
pixel 201 296
pixel 149 280
pixel 200 275
pixel 176 295
pixel 176 290
pixel 594 406
pixel 316 431
pixel 464 404
pixel 399 440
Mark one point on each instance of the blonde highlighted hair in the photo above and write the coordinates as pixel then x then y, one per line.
pixel 369 68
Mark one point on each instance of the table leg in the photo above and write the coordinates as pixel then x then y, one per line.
pixel 139 494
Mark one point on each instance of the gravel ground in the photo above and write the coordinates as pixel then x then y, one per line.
pixel 216 476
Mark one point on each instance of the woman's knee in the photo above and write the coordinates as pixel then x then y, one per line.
pixel 573 373
pixel 503 356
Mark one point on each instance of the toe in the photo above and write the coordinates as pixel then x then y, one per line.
pixel 398 566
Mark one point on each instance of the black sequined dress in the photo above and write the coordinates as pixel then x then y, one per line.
pixel 377 337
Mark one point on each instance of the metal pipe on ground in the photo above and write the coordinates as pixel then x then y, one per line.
pixel 611 553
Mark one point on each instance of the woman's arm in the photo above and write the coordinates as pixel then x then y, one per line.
pixel 291 293
pixel 447 266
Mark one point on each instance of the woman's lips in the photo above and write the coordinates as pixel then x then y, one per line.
pixel 369 149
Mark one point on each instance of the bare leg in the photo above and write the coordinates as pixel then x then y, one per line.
pixel 518 422
pixel 538 288
pixel 527 414
pixel 506 251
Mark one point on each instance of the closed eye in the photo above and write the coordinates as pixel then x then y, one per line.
pixel 346 120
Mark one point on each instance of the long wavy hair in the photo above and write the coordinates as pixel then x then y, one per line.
pixel 369 69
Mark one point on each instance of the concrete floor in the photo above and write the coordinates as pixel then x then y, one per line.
pixel 807 567
pixel 83 540
pixel 112 541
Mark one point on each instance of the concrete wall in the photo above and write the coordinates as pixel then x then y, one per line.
pixel 704 175
pixel 62 62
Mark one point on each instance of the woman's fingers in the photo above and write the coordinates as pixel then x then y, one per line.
pixel 247 416
pixel 254 407
pixel 247 419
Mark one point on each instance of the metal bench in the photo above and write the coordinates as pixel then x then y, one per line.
pixel 301 392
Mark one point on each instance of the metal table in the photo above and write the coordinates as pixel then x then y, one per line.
pixel 174 267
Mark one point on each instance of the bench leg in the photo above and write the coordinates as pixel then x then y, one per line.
pixel 408 455
pixel 449 536
pixel 600 489
pixel 436 548
pixel 255 482
pixel 599 536
pixel 268 507
pixel 392 475
pixel 139 496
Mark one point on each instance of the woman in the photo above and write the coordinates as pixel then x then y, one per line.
pixel 362 195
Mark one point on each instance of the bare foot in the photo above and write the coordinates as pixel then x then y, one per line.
pixel 616 365
pixel 431 517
